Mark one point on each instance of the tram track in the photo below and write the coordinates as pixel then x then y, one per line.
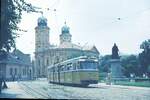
pixel 43 90
pixel 34 93
pixel 53 91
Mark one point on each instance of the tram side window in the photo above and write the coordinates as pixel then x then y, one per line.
pixel 58 68
pixel 65 68
pixel 78 65
pixel 70 66
pixel 74 66
pixel 88 65
pixel 61 68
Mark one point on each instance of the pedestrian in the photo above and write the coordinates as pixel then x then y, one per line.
pixel 109 79
pixel 4 86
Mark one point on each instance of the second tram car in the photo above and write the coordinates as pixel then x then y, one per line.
pixel 80 71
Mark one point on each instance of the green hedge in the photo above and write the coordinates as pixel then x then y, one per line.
pixel 141 84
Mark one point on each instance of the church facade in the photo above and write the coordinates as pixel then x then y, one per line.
pixel 47 54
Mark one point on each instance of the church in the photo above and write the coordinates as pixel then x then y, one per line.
pixel 47 54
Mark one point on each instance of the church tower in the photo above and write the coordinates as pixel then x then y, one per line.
pixel 65 35
pixel 41 35
pixel 41 44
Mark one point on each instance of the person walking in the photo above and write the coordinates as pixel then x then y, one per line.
pixel 109 79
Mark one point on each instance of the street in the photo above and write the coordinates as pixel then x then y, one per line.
pixel 42 89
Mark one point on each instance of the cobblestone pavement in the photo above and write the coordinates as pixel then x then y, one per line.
pixel 98 92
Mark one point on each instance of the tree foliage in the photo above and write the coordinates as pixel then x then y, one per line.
pixel 144 56
pixel 130 65
pixel 104 65
pixel 11 11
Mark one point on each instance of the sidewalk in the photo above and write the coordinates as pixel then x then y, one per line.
pixel 14 91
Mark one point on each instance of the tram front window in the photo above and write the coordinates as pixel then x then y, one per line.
pixel 88 65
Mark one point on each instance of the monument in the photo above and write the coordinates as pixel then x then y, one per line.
pixel 115 64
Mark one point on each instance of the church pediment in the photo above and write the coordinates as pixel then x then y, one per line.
pixel 94 49
pixel 91 48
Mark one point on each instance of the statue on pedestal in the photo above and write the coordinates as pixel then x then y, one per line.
pixel 115 64
pixel 115 52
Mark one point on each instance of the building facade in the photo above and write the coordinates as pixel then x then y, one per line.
pixel 15 65
pixel 47 54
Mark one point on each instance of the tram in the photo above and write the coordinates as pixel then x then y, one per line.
pixel 80 71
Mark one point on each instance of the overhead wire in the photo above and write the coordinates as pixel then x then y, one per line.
pixel 131 16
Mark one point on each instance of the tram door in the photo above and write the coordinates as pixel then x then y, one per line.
pixel 53 74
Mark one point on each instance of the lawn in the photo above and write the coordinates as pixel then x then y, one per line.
pixel 127 83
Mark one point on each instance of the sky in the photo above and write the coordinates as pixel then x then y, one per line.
pixel 92 22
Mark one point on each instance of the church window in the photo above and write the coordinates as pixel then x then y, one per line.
pixel 11 71
pixel 15 71
pixel 24 71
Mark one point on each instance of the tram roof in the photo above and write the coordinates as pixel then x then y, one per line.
pixel 73 59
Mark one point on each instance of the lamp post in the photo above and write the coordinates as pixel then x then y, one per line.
pixel 0 82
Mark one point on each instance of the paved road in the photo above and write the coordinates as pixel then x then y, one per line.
pixel 41 89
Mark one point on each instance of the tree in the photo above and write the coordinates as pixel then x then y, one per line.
pixel 104 63
pixel 11 11
pixel 144 56
pixel 130 65
pixel 148 69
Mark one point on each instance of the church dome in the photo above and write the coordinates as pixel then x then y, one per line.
pixel 65 29
pixel 42 21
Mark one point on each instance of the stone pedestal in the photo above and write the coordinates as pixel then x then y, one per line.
pixel 116 69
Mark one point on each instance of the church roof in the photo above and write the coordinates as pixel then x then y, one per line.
pixel 42 18
pixel 69 45
pixel 42 21
pixel 91 48
pixel 65 29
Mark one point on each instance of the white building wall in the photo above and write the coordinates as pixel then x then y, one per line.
pixel 19 68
